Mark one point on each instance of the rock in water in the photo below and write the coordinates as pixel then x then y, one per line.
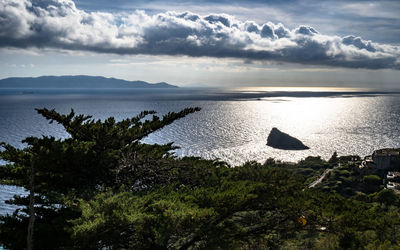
pixel 278 139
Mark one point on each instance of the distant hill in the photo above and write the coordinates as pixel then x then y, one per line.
pixel 77 82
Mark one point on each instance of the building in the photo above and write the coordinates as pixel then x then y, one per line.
pixel 387 158
pixel 367 162
pixel 393 175
pixel 393 185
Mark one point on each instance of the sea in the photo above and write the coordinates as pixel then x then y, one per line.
pixel 232 126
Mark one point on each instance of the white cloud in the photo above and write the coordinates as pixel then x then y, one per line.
pixel 58 24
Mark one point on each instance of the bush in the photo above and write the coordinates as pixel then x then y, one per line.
pixel 372 180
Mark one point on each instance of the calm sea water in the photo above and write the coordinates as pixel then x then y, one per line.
pixel 233 125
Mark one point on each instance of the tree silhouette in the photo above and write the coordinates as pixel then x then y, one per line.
pixel 57 171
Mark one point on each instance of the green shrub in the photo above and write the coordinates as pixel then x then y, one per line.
pixel 372 179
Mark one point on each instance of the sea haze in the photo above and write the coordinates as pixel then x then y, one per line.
pixel 233 124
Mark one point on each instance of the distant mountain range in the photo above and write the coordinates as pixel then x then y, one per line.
pixel 77 82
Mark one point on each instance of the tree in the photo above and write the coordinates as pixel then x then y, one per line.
pixel 29 239
pixel 74 168
pixel 387 197
pixel 240 205
pixel 334 158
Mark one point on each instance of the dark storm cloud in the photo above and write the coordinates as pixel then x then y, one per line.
pixel 59 24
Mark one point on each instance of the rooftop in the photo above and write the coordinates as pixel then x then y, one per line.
pixel 387 151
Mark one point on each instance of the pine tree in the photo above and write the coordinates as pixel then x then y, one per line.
pixel 76 167
pixel 334 158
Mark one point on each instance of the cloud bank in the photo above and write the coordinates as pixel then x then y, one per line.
pixel 59 24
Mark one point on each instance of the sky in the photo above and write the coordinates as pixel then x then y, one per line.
pixel 206 43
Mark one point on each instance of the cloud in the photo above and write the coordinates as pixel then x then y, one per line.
pixel 59 24
pixel 359 43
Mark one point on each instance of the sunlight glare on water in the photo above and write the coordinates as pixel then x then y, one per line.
pixel 237 131
pixel 297 89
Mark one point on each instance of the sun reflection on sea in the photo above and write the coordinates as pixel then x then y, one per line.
pixel 237 131
pixel 297 89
